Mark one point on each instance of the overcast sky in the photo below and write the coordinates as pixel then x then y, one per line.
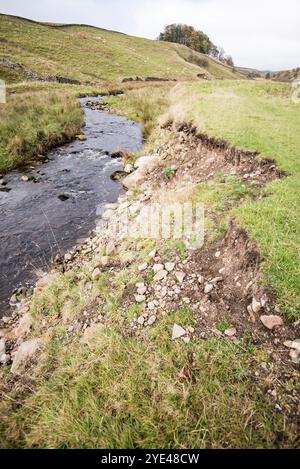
pixel 263 34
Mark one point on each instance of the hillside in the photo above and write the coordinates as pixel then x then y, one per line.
pixel 87 53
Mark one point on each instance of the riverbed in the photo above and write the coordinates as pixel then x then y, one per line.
pixel 47 214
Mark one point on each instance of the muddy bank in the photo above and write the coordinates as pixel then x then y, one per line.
pixel 47 209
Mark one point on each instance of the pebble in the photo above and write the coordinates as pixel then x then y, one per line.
pixel 141 320
pixel 4 359
pixel 218 254
pixel 158 268
pixel 201 279
pixel 208 288
pixel 271 321
pixel 178 332
pixel 141 291
pixel 2 346
pixel 96 274
pixel 162 274
pixel 295 356
pixel 152 254
pixel 140 298
pixel 293 344
pixel 180 276
pixel 104 261
pixel 143 267
pixel 230 332
pixel 217 280
pixel 151 305
pixel 251 314
pixel 151 320
pixel 169 266
pixel 24 178
pixel 256 305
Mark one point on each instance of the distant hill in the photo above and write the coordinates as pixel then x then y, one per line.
pixel 31 49
pixel 285 75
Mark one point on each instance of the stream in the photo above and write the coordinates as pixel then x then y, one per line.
pixel 49 213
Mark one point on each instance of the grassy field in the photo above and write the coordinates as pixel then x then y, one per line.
pixel 92 54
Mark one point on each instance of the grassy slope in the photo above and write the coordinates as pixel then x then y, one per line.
pixel 259 116
pixel 94 54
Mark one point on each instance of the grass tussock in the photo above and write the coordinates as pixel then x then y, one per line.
pixel 144 105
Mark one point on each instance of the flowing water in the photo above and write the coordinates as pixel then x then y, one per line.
pixel 49 214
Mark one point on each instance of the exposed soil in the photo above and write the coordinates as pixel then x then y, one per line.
pixel 198 158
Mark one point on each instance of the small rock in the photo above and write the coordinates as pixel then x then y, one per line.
pixel 140 298
pixel 24 326
pixel 104 261
pixel 191 330
pixel 151 320
pixel 217 280
pixel 143 267
pixel 25 351
pixel 218 254
pixel 295 356
pixel 2 346
pixel 256 305
pixel 96 274
pixel 142 290
pixel 169 266
pixel 141 320
pixel 201 279
pixel 81 137
pixel 161 275
pixel 24 178
pixel 128 168
pixel 221 271
pixel 180 277
pixel 151 305
pixel 68 257
pixel 152 254
pixel 4 359
pixel 230 332
pixel 178 332
pixel 186 339
pixel 251 314
pixel 157 268
pixel 271 321
pixel 110 247
pixel 208 288
pixel 139 285
pixel 295 344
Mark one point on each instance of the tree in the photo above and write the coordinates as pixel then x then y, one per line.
pixel 188 36
pixel 229 61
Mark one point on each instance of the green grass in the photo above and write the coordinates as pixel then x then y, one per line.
pixel 128 394
pixel 93 54
pixel 37 117
pixel 144 105
pixel 262 117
